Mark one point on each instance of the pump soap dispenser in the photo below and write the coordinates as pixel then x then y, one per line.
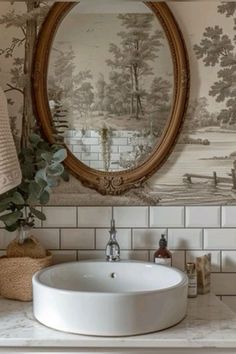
pixel 163 255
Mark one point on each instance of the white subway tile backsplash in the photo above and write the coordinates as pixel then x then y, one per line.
pixel 229 216
pixel 178 259
pixel 223 283
pixel 185 238
pixel 131 216
pixel 123 238
pixel 49 238
pixel 60 217
pixel 6 237
pixel 78 233
pixel 135 255
pixel 220 239
pixel 64 256
pixel 230 301
pixel 215 258
pixel 228 261
pixel 77 238
pixel 167 216
pixel 203 216
pixel 147 238
pixel 83 255
pixel 94 216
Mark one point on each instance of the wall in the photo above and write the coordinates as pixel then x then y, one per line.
pixel 78 232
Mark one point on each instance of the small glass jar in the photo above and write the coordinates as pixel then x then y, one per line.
pixel 192 279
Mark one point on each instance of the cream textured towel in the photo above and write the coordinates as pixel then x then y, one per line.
pixel 10 172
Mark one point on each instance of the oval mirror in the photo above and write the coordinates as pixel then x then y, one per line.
pixel 110 81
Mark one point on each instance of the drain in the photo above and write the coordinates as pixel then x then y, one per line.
pixel 113 275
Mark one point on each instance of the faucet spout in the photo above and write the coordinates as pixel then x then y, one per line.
pixel 112 247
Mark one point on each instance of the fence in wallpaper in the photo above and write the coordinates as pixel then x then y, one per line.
pixel 76 233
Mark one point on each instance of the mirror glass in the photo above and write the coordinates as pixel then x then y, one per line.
pixel 110 83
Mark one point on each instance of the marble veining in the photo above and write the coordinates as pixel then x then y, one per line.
pixel 209 323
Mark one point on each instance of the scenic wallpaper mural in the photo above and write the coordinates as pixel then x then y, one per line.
pixel 201 168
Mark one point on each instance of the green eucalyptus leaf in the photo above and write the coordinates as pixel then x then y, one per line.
pixel 55 170
pixel 42 183
pixel 35 189
pixel 65 176
pixel 32 199
pixel 27 170
pixel 44 198
pixel 47 156
pixel 5 201
pixel 41 174
pixel 52 181
pixel 43 145
pixel 3 207
pixel 24 187
pixel 35 139
pixel 11 218
pixel 59 155
pixel 12 228
pixel 38 213
pixel 18 199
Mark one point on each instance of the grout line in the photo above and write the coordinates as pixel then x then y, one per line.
pixel 149 217
pixel 60 239
pixel 221 263
pixel 132 239
pixel 112 212
pixel 185 216
pixel 77 217
pixel 203 239
pixel 95 239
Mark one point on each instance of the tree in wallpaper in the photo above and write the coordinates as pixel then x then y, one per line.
pixel 217 48
pixel 26 25
pixel 69 89
pixel 138 48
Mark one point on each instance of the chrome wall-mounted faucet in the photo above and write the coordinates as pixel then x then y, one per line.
pixel 112 247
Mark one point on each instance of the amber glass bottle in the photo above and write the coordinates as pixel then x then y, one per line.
pixel 163 255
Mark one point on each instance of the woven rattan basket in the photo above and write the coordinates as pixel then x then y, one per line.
pixel 16 275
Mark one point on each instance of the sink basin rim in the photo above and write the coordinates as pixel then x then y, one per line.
pixel 36 280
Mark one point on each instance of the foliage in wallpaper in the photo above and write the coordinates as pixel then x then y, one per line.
pixel 201 169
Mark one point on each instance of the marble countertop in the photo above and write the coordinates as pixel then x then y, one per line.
pixel 209 323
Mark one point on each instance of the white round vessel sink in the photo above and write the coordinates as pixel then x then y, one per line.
pixel 109 298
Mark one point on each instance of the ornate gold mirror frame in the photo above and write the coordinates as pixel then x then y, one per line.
pixel 114 182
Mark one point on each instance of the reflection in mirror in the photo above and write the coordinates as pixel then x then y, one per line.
pixel 110 84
